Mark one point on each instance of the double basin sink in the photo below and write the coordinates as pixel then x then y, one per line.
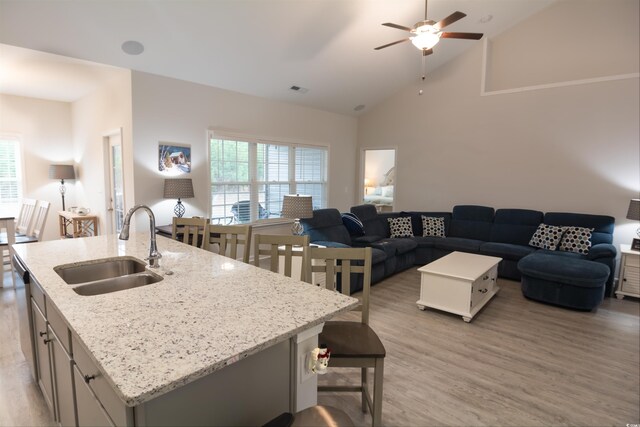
pixel 104 276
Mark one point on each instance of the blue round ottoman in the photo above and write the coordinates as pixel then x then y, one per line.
pixel 564 281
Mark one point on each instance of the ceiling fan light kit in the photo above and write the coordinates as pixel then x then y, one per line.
pixel 426 36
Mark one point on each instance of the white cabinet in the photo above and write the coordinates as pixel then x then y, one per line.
pixel 629 282
pixel 63 380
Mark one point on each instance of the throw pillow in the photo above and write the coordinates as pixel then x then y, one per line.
pixel 387 191
pixel 576 239
pixel 547 237
pixel 432 226
pixel 354 226
pixel 400 227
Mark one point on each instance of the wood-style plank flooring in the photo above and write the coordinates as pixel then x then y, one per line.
pixel 518 363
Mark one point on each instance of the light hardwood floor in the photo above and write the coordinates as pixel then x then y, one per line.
pixel 518 363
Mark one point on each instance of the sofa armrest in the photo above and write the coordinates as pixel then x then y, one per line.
pixel 602 250
pixel 328 244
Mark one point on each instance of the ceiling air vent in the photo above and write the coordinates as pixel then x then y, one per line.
pixel 299 89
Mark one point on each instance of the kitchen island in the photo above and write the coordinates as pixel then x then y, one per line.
pixel 215 342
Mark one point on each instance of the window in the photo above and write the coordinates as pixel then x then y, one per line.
pixel 250 178
pixel 10 174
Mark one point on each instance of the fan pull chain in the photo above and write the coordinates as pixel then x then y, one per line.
pixel 424 73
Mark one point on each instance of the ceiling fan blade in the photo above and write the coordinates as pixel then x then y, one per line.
pixel 426 52
pixel 455 16
pixel 399 27
pixel 391 44
pixel 467 36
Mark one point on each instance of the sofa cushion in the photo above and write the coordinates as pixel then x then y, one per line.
pixel 416 220
pixel 330 244
pixel 400 227
pixel 432 226
pixel 576 272
pixel 576 239
pixel 395 246
pixel 602 224
pixel 326 225
pixel 547 237
pixel 471 222
pixel 506 250
pixel 353 224
pixel 426 241
pixel 458 244
pixel 374 224
pixel 365 240
pixel 515 225
pixel 377 256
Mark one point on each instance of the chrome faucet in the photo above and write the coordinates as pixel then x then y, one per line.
pixel 154 255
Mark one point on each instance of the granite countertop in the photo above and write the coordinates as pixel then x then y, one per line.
pixel 211 312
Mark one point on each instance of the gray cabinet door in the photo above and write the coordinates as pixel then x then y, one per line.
pixel 90 411
pixel 63 369
pixel 41 337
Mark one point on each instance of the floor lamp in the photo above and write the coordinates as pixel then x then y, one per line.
pixel 62 172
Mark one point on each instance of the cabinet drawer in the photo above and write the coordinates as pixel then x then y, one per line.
pixel 59 326
pixel 38 295
pixel 117 410
pixel 483 286
pixel 632 260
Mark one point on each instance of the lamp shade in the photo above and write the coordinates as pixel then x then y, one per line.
pixel 294 206
pixel 181 188
pixel 62 172
pixel 634 210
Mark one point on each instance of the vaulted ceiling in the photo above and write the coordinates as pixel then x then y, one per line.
pixel 258 47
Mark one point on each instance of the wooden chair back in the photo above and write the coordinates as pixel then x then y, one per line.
pixel 189 228
pixel 39 220
pixel 25 216
pixel 228 238
pixel 282 250
pixel 343 262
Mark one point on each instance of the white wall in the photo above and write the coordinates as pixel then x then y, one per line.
pixel 44 128
pixel 170 110
pixel 104 110
pixel 569 148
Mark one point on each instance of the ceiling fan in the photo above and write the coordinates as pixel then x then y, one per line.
pixel 426 34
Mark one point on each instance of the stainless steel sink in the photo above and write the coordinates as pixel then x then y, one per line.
pixel 115 284
pixel 99 269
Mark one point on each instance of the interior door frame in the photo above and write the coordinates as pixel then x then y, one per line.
pixel 109 179
pixel 361 177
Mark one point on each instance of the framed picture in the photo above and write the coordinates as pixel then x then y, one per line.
pixel 635 245
pixel 174 159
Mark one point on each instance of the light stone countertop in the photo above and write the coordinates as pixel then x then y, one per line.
pixel 213 311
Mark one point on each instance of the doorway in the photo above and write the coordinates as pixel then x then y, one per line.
pixel 115 181
pixel 379 177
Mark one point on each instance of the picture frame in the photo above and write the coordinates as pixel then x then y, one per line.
pixel 635 245
pixel 174 158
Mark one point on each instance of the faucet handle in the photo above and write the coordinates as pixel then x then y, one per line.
pixel 154 259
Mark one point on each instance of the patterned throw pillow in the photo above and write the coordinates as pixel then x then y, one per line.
pixel 400 227
pixel 355 227
pixel 576 239
pixel 433 226
pixel 547 237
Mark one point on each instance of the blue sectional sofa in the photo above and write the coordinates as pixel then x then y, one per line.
pixel 504 233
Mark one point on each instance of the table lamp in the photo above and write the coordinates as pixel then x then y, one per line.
pixel 297 207
pixel 181 188
pixel 62 172
pixel 634 214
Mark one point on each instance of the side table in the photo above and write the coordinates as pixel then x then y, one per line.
pixel 74 225
pixel 629 281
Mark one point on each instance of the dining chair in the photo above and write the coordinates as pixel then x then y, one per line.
pixel 23 221
pixel 287 253
pixel 353 344
pixel 227 238
pixel 6 241
pixel 188 230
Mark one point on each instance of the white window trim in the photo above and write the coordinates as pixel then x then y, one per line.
pixel 19 138
pixel 217 133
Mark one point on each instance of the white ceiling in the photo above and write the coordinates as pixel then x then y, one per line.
pixel 258 47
